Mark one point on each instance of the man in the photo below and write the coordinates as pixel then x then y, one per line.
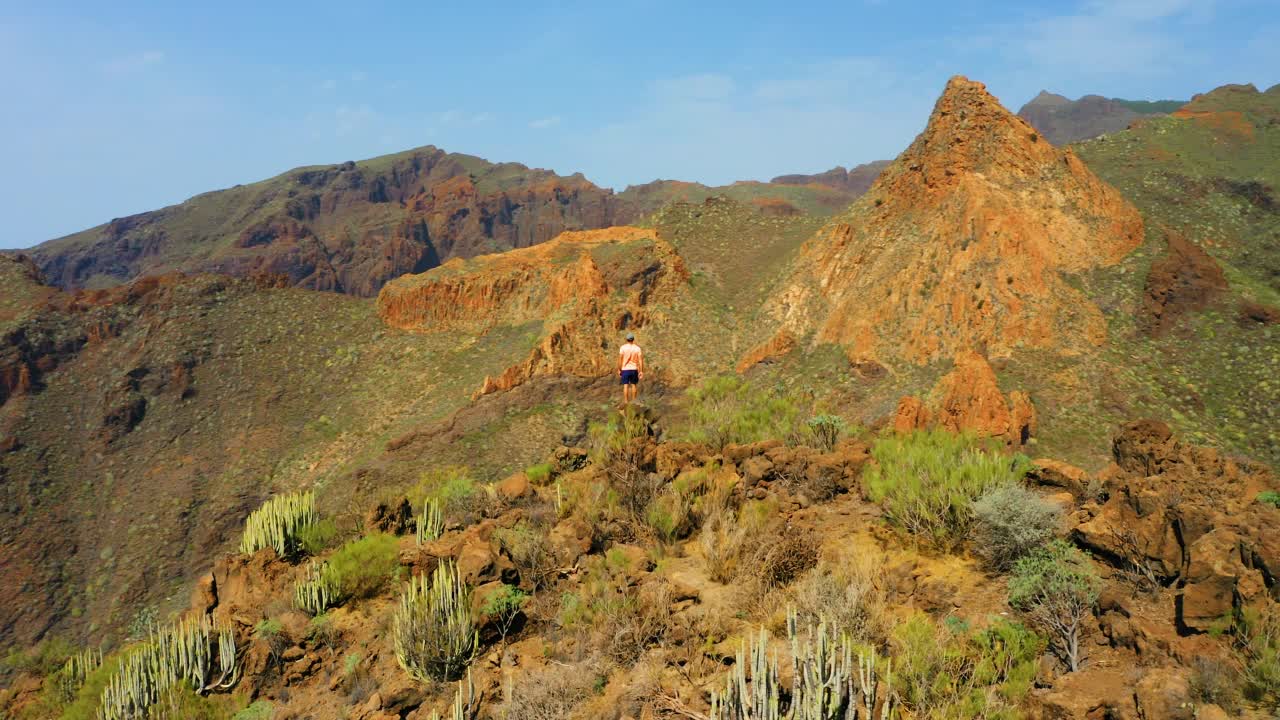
pixel 630 368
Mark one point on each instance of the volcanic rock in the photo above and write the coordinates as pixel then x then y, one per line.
pixel 962 243
pixel 968 399
pixel 584 287
pixel 1184 280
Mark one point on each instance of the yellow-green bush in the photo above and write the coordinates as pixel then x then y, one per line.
pixel 452 487
pixel 318 536
pixel 953 672
pixel 927 481
pixel 363 566
pixel 727 410
pixel 278 522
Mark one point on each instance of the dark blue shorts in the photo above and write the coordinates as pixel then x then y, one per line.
pixel 630 377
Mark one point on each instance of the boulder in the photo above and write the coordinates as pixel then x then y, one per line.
pixel 515 487
pixel 1162 694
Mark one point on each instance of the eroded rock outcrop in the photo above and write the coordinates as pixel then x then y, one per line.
pixel 968 399
pixel 962 243
pixel 583 287
pixel 1187 517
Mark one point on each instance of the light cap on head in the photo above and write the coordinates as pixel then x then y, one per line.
pixel 631 336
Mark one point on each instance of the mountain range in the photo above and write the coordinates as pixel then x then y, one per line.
pixel 1093 305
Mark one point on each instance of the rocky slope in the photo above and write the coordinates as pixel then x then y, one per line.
pixel 964 242
pixel 1062 121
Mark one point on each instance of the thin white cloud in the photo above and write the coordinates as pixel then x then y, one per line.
pixel 1106 37
pixel 545 123
pixel 133 63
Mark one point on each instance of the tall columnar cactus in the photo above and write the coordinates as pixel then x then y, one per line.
pixel 431 521
pixel 435 634
pixel 823 685
pixel 276 524
pixel 318 591
pixel 72 676
pixel 197 651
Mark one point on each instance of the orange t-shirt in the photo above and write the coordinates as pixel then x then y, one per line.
pixel 630 354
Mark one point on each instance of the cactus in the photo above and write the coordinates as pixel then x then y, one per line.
pixel 431 521
pixel 277 522
pixel 435 635
pixel 318 591
pixel 72 676
pixel 823 685
pixel 183 652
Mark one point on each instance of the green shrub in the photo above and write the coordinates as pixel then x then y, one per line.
pixel 826 430
pixel 539 474
pixel 1269 497
pixel 927 481
pixel 43 659
pixel 503 606
pixel 452 486
pixel 260 710
pixel 321 632
pixel 952 671
pixel 435 636
pixel 318 536
pixel 1012 521
pixel 363 566
pixel 727 410
pixel 1057 588
pixel 277 523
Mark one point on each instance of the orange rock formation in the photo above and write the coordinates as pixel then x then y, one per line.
pixel 583 286
pixel 968 399
pixel 962 243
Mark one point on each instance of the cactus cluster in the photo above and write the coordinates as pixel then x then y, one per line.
pixel 318 591
pixel 277 522
pixel 430 521
pixel 196 650
pixel 435 634
pixel 825 683
pixel 72 676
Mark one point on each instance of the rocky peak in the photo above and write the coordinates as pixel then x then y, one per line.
pixel 961 244
pixel 1046 98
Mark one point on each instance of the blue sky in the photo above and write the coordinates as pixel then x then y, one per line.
pixel 115 108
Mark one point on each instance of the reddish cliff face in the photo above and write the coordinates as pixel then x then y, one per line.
pixel 855 181
pixel 583 287
pixel 346 228
pixel 962 243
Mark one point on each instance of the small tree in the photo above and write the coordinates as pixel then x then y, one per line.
pixel 504 606
pixel 826 430
pixel 1057 588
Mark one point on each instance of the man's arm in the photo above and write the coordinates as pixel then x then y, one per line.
pixel 640 365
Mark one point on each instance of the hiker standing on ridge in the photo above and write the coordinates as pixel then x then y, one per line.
pixel 630 369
